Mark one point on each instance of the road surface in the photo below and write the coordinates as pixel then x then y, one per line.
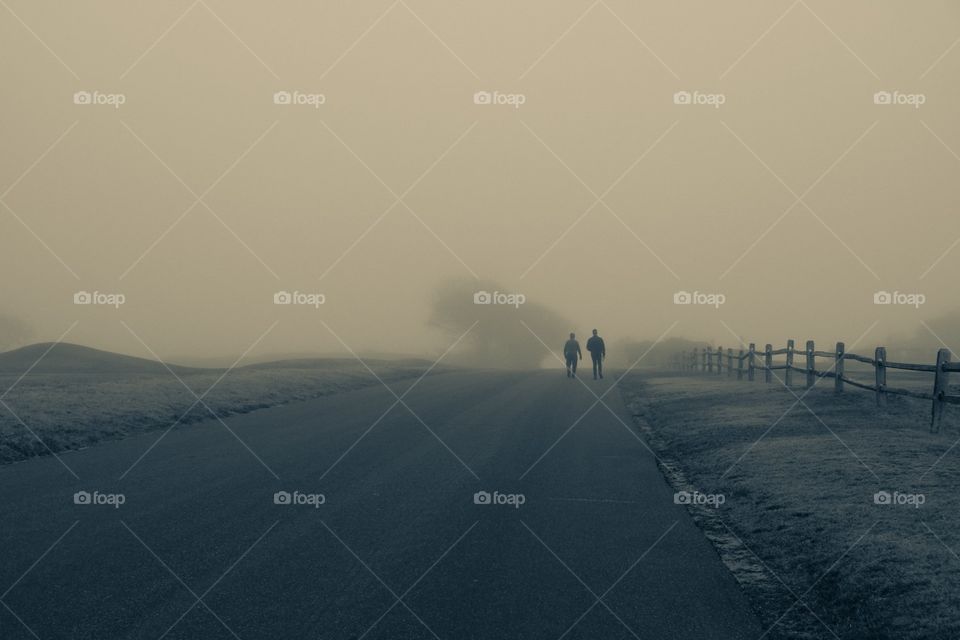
pixel 580 537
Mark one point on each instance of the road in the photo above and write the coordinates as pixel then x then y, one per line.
pixel 587 542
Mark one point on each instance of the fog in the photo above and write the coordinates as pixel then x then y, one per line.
pixel 597 199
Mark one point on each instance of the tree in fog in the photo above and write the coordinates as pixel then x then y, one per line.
pixel 648 353
pixel 14 332
pixel 922 343
pixel 500 338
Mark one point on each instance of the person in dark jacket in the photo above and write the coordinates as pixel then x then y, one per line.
pixel 598 351
pixel 571 352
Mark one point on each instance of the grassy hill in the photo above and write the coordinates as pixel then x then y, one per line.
pixel 64 357
pixel 75 396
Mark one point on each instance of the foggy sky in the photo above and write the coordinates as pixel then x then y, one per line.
pixel 497 191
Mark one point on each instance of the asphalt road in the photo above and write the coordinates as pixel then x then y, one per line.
pixel 399 548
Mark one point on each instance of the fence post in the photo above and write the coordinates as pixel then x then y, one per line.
pixel 751 362
pixel 940 381
pixel 811 364
pixel 880 368
pixel 709 353
pixel 788 372
pixel 740 365
pixel 696 361
pixel 729 362
pixel 703 358
pixel 768 362
pixel 838 368
pixel 719 360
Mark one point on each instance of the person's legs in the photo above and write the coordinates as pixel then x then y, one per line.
pixel 571 362
pixel 596 365
pixel 600 366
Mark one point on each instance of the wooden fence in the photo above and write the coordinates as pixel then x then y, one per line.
pixel 747 363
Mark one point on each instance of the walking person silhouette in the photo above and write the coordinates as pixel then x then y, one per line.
pixel 598 351
pixel 571 352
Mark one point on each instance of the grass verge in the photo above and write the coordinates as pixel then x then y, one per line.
pixel 75 410
pixel 800 526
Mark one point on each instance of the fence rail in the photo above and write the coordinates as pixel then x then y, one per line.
pixel 804 361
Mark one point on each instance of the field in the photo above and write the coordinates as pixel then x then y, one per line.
pixel 73 410
pixel 800 524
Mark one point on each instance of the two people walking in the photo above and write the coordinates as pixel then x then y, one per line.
pixel 572 353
